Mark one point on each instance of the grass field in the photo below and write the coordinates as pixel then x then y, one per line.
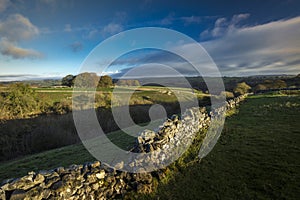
pixel 153 94
pixel 65 156
pixel 257 156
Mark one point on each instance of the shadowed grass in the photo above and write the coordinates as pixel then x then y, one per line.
pixel 65 156
pixel 256 157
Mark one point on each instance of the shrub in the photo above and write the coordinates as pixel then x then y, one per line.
pixel 62 107
pixel 105 81
pixel 19 102
pixel 241 88
pixel 228 95
pixel 68 80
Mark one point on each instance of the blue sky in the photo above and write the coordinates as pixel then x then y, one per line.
pixel 51 38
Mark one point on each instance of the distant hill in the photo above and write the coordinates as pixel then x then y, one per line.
pixel 36 83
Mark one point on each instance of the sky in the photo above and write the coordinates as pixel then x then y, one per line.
pixel 52 38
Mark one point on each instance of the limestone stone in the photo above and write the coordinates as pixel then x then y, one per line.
pixel 95 164
pixel 101 174
pixel 35 193
pixel 18 194
pixel 49 181
pixel 119 165
pixel 2 194
pixel 60 170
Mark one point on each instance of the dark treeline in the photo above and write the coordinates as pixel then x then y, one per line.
pixel 230 83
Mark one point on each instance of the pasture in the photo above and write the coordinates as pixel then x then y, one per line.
pixel 256 156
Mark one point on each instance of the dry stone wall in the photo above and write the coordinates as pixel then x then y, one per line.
pixel 97 181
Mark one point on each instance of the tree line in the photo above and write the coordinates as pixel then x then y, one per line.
pixel 243 87
pixel 92 80
pixel 87 80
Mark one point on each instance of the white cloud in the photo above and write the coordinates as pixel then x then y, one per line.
pixel 76 46
pixel 68 28
pixel 192 19
pixel 223 26
pixel 17 28
pixel 168 20
pixel 107 30
pixel 112 28
pixel 4 4
pixel 271 48
pixel 268 48
pixel 9 49
pixel 237 18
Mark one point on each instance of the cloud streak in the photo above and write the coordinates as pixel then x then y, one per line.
pixel 4 4
pixel 223 26
pixel 271 48
pixel 9 49
pixel 112 28
pixel 76 46
pixel 267 48
pixel 68 28
pixel 115 26
pixel 24 77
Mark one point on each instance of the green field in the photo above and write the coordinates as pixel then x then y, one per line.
pixel 256 156
pixel 65 156
pixel 44 121
pixel 151 94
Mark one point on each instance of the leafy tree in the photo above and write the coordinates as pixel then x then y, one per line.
pixel 260 87
pixel 136 83
pixel 227 94
pixel 122 82
pixel 275 84
pixel 241 88
pixel 68 80
pixel 105 81
pixel 279 84
pixel 21 101
pixel 268 84
pixel 62 107
pixel 2 107
pixel 86 80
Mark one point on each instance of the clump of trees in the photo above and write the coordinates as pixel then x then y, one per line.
pixel 87 80
pixel 241 88
pixel 276 84
pixel 68 80
pixel 227 94
pixel 105 82
pixel 270 84
pixel 19 102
